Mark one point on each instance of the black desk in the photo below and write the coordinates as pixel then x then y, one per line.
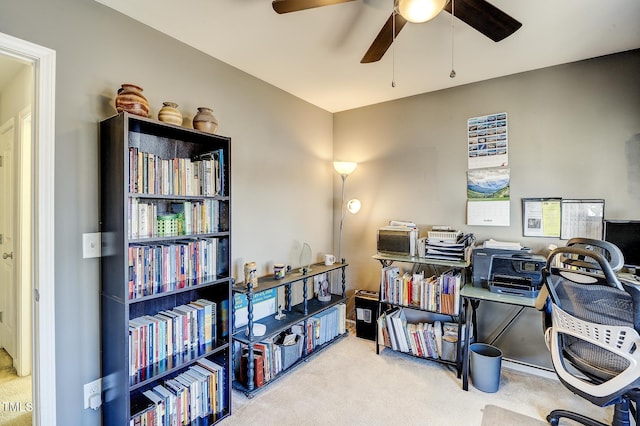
pixel 471 298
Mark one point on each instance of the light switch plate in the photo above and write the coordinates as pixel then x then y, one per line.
pixel 91 244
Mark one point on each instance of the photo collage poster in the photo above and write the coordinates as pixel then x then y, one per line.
pixel 487 138
pixel 488 178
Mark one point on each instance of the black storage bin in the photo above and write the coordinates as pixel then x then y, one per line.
pixel 366 313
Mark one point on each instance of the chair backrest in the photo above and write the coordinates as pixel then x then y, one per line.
pixel 609 251
pixel 594 317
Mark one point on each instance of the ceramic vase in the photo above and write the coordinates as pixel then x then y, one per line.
pixel 131 100
pixel 205 121
pixel 169 113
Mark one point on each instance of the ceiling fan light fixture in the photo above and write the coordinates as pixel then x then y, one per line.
pixel 418 11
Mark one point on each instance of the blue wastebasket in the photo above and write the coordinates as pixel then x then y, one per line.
pixel 486 361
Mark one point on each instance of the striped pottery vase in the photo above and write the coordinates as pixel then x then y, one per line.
pixel 205 121
pixel 131 100
pixel 169 113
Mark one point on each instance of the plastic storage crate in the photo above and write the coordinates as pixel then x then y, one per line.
pixel 167 225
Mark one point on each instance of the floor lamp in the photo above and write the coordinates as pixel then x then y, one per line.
pixel 344 169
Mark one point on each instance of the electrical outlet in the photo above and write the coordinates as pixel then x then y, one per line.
pixel 92 391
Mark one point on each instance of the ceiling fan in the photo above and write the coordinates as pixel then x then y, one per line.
pixel 479 14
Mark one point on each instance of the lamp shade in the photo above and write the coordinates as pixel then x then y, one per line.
pixel 354 205
pixel 418 11
pixel 344 168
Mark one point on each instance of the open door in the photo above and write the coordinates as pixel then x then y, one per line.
pixel 8 302
pixel 38 215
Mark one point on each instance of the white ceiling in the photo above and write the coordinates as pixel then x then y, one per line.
pixel 315 54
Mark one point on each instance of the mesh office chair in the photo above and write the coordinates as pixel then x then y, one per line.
pixel 593 336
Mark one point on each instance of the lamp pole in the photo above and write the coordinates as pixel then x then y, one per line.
pixel 344 168
pixel 344 178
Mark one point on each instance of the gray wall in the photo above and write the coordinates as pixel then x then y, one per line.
pixel 569 128
pixel 574 132
pixel 281 158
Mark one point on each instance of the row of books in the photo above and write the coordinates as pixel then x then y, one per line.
pixel 435 340
pixel 185 218
pixel 160 268
pixel 154 338
pixel 270 358
pixel 197 393
pixel 201 176
pixel 325 326
pixel 437 294
pixel 277 353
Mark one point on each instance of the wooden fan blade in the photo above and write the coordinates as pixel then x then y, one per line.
pixel 286 6
pixel 383 40
pixel 485 17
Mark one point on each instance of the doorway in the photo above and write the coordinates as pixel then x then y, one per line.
pixel 27 321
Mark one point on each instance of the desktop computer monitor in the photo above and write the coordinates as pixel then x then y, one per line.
pixel 626 235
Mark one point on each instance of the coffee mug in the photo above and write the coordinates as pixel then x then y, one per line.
pixel 329 259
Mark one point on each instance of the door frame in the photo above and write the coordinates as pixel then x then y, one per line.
pixel 44 365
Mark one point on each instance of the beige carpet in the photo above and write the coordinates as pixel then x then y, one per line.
pixel 349 384
pixel 493 415
pixel 15 394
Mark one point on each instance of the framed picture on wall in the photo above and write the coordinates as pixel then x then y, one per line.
pixel 582 218
pixel 541 217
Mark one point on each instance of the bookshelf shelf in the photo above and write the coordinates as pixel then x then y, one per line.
pixel 424 314
pixel 318 323
pixel 165 299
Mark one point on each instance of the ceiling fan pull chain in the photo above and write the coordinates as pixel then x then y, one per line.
pixel 453 71
pixel 393 50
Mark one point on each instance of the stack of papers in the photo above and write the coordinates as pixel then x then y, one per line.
pixel 505 245
pixel 455 250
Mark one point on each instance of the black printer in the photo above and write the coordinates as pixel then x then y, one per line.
pixel 515 272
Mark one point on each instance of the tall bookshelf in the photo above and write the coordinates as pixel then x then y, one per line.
pixel 165 282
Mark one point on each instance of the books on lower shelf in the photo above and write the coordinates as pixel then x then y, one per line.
pixel 154 338
pixel 277 353
pixel 437 294
pixel 437 340
pixel 197 392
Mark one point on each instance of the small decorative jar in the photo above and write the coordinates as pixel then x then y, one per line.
pixel 251 275
pixel 169 113
pixel 131 100
pixel 205 121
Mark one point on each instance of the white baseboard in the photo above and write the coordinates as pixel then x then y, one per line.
pixel 529 369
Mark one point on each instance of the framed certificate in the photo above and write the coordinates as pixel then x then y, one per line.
pixel 541 217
